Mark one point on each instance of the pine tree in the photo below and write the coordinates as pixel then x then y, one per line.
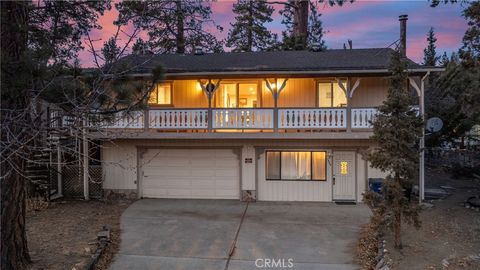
pixel 301 32
pixel 110 51
pixel 173 26
pixel 458 87
pixel 430 57
pixel 37 39
pixel 444 60
pixel 396 132
pixel 470 51
pixel 315 29
pixel 248 32
pixel 141 47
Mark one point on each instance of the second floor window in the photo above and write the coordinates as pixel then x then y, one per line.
pixel 161 95
pixel 330 94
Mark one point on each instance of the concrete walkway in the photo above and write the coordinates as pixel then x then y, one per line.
pixel 198 234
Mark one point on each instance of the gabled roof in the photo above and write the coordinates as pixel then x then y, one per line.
pixel 262 62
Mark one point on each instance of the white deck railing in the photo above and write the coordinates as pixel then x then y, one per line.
pixel 361 117
pixel 237 118
pixel 178 119
pixel 242 118
pixel 312 118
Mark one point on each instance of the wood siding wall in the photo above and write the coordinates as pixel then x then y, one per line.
pixel 186 94
pixel 298 92
pixel 370 93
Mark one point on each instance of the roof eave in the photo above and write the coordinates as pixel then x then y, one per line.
pixel 295 73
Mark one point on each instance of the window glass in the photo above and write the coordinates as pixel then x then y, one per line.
pixel 324 94
pixel 161 94
pixel 330 94
pixel 273 165
pixel 226 96
pixel 319 169
pixel 296 165
pixel 247 95
pixel 339 98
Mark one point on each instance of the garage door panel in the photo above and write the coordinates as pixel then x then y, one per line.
pixel 191 173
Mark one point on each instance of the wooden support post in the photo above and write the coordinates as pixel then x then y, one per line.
pixel 209 113
pixel 86 193
pixel 146 119
pixel 59 169
pixel 421 95
pixel 209 89
pixel 275 90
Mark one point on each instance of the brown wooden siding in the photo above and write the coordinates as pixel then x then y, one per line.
pixel 298 92
pixel 370 93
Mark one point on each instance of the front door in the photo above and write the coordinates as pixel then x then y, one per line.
pixel 344 176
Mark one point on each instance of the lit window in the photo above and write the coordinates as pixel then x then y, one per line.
pixel 288 165
pixel 330 94
pixel 343 167
pixel 161 94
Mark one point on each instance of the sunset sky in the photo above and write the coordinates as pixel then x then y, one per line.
pixel 370 24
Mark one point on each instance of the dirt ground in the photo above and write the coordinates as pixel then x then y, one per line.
pixel 450 233
pixel 63 236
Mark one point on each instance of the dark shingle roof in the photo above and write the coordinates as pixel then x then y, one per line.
pixel 330 60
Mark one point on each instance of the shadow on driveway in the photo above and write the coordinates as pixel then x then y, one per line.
pixel 198 234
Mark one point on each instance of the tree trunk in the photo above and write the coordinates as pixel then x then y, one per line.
pixel 397 228
pixel 13 248
pixel 300 24
pixel 180 38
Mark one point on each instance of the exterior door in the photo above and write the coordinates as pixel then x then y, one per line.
pixel 344 176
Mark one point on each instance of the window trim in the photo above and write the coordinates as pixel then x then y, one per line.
pixel 171 96
pixel 311 166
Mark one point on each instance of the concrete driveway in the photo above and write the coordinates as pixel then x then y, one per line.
pixel 198 234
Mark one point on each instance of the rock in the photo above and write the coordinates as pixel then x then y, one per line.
pixel 104 234
pixel 425 205
pixel 467 205
pixel 88 250
pixel 445 263
pixel 385 267
pixel 380 264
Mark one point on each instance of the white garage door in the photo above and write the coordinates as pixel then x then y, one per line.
pixel 190 173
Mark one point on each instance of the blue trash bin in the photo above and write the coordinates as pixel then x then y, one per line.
pixel 375 184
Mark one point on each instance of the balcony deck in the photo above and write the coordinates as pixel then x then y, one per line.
pixel 239 123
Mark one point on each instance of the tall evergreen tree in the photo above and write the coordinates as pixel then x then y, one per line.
pixel 141 47
pixel 37 39
pixel 248 32
pixel 173 26
pixel 110 50
pixel 315 29
pixel 303 29
pixel 396 132
pixel 459 86
pixel 430 57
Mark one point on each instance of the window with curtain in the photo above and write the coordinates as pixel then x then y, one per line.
pixel 161 94
pixel 330 94
pixel 290 165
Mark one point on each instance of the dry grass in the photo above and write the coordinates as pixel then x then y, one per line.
pixel 368 244
pixel 63 236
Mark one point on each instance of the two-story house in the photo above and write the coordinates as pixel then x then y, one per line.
pixel 273 126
